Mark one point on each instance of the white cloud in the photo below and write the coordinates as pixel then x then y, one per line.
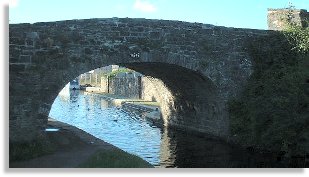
pixel 144 6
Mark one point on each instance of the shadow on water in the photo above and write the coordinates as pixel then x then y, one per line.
pixel 182 149
pixel 161 147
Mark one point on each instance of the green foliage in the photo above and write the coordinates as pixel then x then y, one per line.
pixel 116 72
pixel 272 113
pixel 114 158
pixel 298 37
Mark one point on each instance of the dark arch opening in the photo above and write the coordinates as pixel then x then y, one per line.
pixel 188 100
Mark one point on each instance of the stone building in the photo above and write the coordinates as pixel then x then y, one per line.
pixel 277 18
pixel 93 77
pixel 127 84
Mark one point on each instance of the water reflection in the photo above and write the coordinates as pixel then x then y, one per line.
pixel 183 149
pixel 167 149
pixel 186 150
pixel 74 95
pixel 95 115
pixel 161 147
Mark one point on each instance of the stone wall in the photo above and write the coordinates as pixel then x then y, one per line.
pixel 202 65
pixel 188 100
pixel 150 92
pixel 104 84
pixel 154 89
pixel 278 18
pixel 128 87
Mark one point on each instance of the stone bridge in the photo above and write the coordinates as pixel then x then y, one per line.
pixel 201 66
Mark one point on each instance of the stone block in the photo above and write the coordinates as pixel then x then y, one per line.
pixel 24 59
pixel 15 68
pixel 16 41
pixel 154 35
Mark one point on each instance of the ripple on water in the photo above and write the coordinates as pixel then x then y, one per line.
pixel 113 125
pixel 133 134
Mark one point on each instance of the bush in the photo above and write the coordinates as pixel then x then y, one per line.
pixel 272 112
pixel 298 37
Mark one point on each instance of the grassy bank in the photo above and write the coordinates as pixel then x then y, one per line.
pixel 29 150
pixel 114 158
pixel 70 148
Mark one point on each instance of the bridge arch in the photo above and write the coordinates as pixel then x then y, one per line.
pixel 188 99
pixel 201 65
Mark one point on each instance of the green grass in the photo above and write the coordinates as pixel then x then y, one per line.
pixel 25 151
pixel 114 158
pixel 116 72
pixel 147 103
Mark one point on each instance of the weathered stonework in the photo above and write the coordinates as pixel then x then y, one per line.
pixel 154 89
pixel 125 86
pixel 278 18
pixel 201 65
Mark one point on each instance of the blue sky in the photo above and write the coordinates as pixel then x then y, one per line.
pixel 230 13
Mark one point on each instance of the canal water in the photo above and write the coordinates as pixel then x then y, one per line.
pixel 160 146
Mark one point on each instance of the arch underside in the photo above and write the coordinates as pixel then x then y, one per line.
pixel 188 100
